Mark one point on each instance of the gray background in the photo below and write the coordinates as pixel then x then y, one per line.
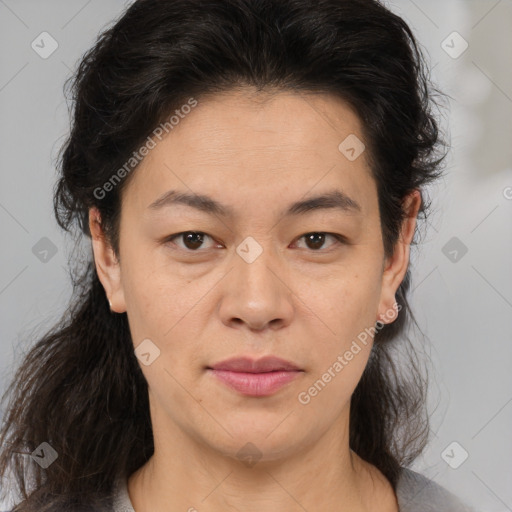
pixel 464 306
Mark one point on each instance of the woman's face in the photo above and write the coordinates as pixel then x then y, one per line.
pixel 259 172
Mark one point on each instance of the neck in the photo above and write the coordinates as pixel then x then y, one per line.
pixel 187 474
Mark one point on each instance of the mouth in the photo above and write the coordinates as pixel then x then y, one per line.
pixel 257 378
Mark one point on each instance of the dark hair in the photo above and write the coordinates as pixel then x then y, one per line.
pixel 80 388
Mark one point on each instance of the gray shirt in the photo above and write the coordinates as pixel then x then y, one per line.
pixel 415 493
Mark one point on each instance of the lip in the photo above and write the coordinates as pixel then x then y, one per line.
pixel 261 377
pixel 249 365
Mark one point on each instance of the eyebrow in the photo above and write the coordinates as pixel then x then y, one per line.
pixel 335 199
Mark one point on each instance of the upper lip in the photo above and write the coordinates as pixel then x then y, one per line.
pixel 249 365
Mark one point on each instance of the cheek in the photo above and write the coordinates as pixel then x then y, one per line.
pixel 348 302
pixel 327 394
pixel 167 309
pixel 348 307
pixel 150 294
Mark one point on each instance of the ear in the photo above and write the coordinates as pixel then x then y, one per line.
pixel 107 265
pixel 396 265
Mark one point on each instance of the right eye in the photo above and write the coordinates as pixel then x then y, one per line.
pixel 192 240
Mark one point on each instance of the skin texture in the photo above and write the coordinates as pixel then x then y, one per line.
pixel 256 153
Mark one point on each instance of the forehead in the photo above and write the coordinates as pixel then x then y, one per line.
pixel 243 145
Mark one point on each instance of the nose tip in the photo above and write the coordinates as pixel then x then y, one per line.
pixel 254 297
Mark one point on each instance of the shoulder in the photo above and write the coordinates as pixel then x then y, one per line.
pixel 99 502
pixel 120 497
pixel 417 493
pixel 114 500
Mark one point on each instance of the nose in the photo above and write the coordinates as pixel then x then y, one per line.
pixel 256 294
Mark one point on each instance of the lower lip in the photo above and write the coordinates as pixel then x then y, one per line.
pixel 256 384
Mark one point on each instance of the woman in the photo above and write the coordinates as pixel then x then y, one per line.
pixel 250 174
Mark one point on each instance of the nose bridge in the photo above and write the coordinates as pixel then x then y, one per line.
pixel 257 294
pixel 257 263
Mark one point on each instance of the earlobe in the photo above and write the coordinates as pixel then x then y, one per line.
pixel 107 265
pixel 396 265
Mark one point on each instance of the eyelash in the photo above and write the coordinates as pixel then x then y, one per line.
pixel 340 239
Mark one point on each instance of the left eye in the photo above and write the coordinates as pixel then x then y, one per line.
pixel 316 239
pixel 193 240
